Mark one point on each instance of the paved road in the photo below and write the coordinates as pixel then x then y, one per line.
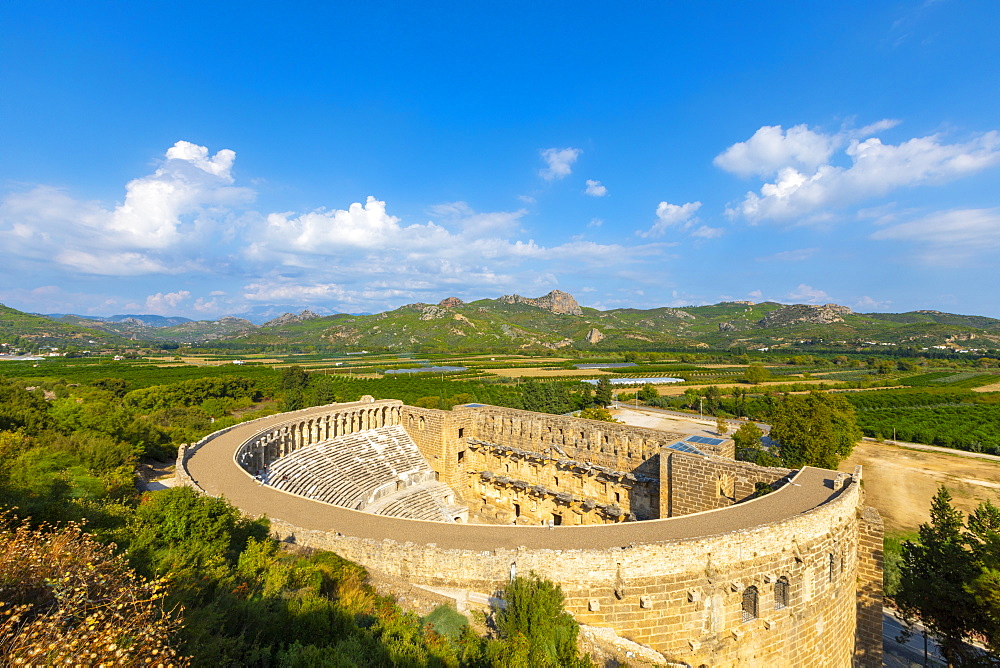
pixel 909 653
pixel 708 420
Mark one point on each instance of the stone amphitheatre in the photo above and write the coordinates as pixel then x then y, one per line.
pixel 662 537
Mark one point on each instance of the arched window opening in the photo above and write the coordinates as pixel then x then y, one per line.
pixel 750 603
pixel 781 593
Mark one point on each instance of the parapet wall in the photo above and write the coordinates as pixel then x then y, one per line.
pixel 682 597
pixel 695 483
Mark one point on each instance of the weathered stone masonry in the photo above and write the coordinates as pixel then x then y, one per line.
pixel 792 578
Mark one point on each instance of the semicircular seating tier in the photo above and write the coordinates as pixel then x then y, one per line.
pixel 379 471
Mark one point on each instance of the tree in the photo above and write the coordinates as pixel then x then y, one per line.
pixel 814 430
pixel 597 413
pixel 984 541
pixel 532 396
pixel 748 435
pixel 647 392
pixel 749 448
pixel 755 374
pixel 712 397
pixel 536 629
pixel 933 576
pixel 721 426
pixel 602 397
pixel 294 378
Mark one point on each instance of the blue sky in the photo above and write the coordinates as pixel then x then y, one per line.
pixel 205 159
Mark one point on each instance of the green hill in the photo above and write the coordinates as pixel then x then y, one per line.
pixel 26 332
pixel 555 322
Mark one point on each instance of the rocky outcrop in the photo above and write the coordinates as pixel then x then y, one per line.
pixel 595 336
pixel 290 318
pixel 431 312
pixel 805 314
pixel 450 302
pixel 556 301
pixel 727 327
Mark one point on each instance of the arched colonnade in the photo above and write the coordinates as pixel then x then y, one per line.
pixel 342 419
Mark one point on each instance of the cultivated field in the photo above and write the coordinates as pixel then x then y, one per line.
pixel 536 372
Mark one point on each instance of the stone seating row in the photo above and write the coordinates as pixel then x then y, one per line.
pixel 432 501
pixel 381 466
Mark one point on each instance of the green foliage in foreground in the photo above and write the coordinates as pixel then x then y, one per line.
pixel 537 631
pixel 68 452
pixel 948 579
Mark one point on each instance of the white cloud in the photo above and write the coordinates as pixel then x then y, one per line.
pixel 162 304
pixel 706 232
pixel 867 304
pixel 559 161
pixel 949 235
pixel 218 165
pixel 163 218
pixel 681 217
pixel 797 255
pixel 807 186
pixel 111 264
pixel 807 294
pixel 595 189
pixel 190 217
pixel 595 222
pixel 771 149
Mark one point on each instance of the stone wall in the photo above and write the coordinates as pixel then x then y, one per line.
pixel 868 650
pixel 683 598
pixel 695 483
pixel 532 488
pixel 441 437
pixel 615 446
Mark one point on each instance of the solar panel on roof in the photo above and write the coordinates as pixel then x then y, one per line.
pixel 704 439
pixel 681 446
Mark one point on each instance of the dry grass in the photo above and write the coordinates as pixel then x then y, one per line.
pixel 994 387
pixel 900 482
pixel 67 600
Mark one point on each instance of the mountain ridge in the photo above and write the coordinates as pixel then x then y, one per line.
pixel 557 321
